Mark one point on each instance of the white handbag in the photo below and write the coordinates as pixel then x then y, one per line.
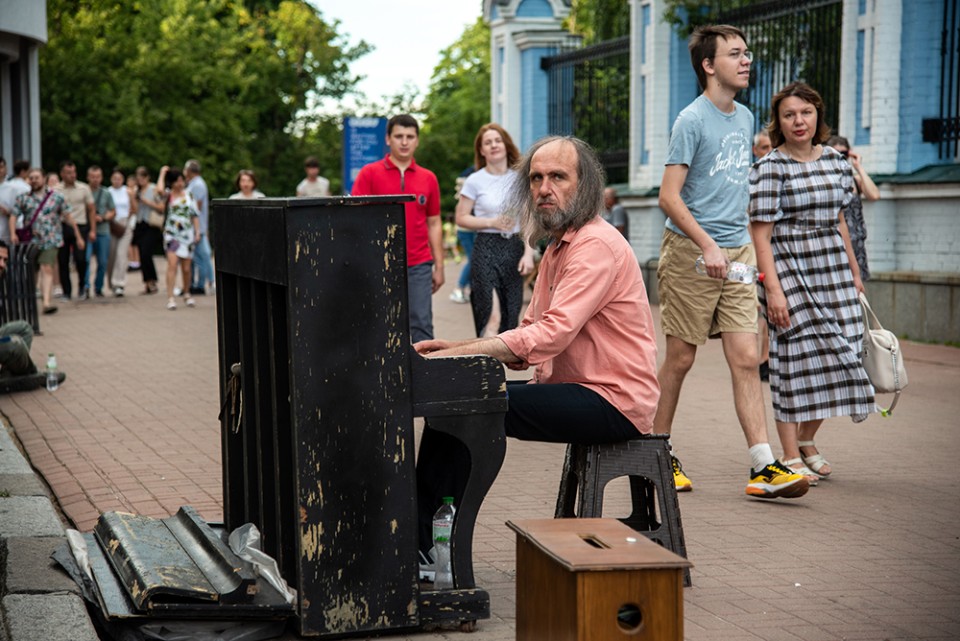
pixel 882 358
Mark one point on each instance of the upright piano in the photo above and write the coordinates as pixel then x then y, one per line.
pixel 319 390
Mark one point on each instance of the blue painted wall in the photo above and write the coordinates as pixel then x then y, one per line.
pixel 683 81
pixel 642 129
pixel 534 108
pixel 644 32
pixel 862 134
pixel 534 9
pixel 920 66
pixel 501 73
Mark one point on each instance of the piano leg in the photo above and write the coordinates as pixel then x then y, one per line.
pixel 465 467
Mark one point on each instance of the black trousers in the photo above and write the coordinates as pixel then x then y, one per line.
pixel 148 240
pixel 493 266
pixel 555 413
pixel 79 259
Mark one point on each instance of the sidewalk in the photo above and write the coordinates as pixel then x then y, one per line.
pixel 872 553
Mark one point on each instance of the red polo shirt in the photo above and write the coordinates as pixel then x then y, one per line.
pixel 383 178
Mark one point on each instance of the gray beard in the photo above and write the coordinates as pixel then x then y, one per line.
pixel 558 221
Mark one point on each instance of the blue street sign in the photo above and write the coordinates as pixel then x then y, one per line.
pixel 364 141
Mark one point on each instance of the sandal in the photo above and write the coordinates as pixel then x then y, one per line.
pixel 815 462
pixel 799 467
pixel 171 304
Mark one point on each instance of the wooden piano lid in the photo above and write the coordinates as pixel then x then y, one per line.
pixel 590 545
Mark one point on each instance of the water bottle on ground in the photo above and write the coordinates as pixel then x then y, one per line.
pixel 53 383
pixel 442 532
pixel 736 271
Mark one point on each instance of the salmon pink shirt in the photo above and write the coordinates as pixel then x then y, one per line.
pixel 589 322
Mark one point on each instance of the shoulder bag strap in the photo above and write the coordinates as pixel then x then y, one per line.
pixel 39 208
pixel 97 199
pixel 870 320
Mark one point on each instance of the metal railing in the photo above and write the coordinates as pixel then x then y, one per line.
pixel 791 40
pixel 18 288
pixel 589 97
pixel 945 130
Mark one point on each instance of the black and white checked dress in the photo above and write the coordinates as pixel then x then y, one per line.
pixel 815 366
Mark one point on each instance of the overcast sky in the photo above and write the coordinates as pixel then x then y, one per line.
pixel 407 36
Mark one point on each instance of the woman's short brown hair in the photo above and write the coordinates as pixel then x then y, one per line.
pixel 806 93
pixel 242 173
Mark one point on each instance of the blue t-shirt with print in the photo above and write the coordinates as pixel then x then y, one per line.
pixel 716 147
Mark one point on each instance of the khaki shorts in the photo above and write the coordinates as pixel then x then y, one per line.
pixel 48 256
pixel 694 307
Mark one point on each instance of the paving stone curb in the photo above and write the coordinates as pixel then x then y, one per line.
pixel 38 602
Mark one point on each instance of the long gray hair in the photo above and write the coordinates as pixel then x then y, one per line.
pixel 587 202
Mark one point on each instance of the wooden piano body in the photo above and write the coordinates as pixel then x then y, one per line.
pixel 319 389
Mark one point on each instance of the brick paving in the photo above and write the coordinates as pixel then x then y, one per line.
pixel 872 553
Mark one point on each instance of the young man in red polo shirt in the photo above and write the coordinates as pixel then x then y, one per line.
pixel 399 173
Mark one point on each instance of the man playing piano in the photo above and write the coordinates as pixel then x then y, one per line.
pixel 588 331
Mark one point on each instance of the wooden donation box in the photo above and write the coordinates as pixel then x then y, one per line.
pixel 595 580
pixel 319 389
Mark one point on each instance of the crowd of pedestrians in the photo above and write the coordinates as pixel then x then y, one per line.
pixel 94 234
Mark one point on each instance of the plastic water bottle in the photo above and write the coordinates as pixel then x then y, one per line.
pixel 736 271
pixel 53 383
pixel 442 532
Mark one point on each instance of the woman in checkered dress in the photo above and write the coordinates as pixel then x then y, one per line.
pixel 797 196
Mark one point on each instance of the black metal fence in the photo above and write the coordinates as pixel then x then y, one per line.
pixel 18 288
pixel 945 130
pixel 589 97
pixel 791 40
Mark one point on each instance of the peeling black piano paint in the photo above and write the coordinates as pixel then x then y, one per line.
pixel 312 302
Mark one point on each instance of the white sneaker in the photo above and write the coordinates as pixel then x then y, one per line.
pixel 458 296
pixel 177 291
pixel 171 304
pixel 190 302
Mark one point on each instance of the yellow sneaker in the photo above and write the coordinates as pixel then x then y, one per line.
pixel 680 479
pixel 777 480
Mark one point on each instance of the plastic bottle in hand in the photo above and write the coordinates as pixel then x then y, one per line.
pixel 53 383
pixel 736 271
pixel 442 532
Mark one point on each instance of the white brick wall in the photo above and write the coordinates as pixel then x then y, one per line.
pixel 884 90
pixel 928 236
pixel 881 221
pixel 646 226
pixel 912 229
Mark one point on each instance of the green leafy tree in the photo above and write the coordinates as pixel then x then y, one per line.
pixel 456 106
pixel 155 82
pixel 599 20
pixel 686 15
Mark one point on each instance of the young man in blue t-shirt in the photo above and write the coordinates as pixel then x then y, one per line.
pixel 704 194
